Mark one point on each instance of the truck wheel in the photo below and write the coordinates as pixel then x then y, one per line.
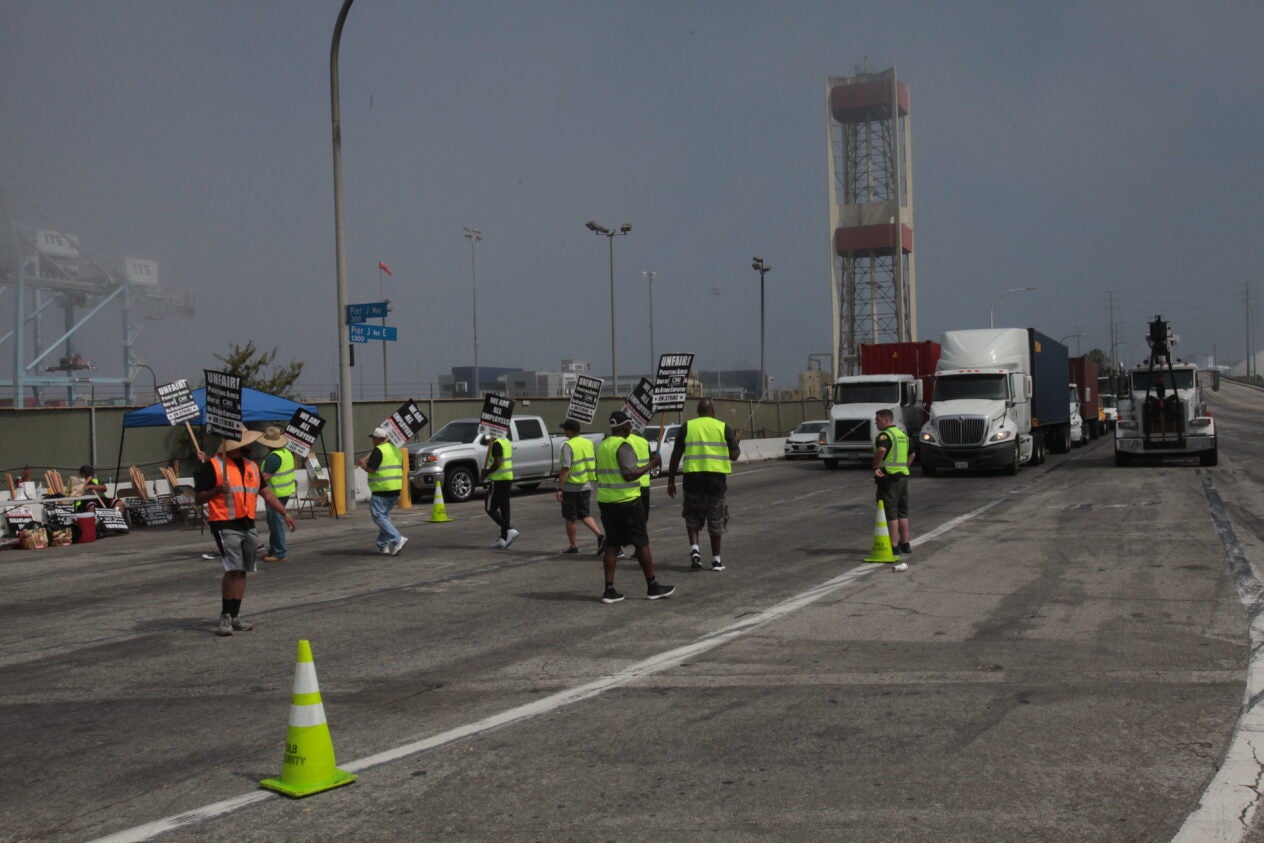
pixel 830 464
pixel 1210 458
pixel 458 484
pixel 1012 468
pixel 1037 449
pixel 1123 459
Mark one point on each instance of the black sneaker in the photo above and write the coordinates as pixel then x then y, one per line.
pixel 658 590
pixel 695 560
pixel 571 550
pixel 612 596
pixel 904 547
pixel 717 565
pixel 601 545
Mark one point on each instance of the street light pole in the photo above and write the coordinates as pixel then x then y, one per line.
pixel 346 434
pixel 610 234
pixel 382 295
pixel 649 277
pixel 757 264
pixel 992 312
pixel 474 235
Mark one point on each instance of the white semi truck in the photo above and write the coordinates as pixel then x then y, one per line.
pixel 1166 416
pixel 1000 401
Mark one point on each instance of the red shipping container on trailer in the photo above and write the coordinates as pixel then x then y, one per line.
pixel 903 358
pixel 1084 374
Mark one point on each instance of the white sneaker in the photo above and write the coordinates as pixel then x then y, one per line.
pixel 510 536
pixel 386 549
pixel 499 544
pixel 398 546
pixel 210 556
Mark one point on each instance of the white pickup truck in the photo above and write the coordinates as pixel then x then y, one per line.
pixel 455 455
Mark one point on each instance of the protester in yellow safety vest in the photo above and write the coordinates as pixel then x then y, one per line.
pixel 499 469
pixel 622 516
pixel 576 474
pixel 278 473
pixel 230 484
pixel 385 467
pixel 704 452
pixel 890 470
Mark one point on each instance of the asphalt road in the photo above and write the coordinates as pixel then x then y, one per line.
pixel 1066 659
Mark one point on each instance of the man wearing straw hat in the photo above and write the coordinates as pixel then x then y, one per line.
pixel 230 485
pixel 278 474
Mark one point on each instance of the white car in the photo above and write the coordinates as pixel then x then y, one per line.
pixel 669 440
pixel 802 441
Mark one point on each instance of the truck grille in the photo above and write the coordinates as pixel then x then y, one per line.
pixel 851 430
pixel 961 431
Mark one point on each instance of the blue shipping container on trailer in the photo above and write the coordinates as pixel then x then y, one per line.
pixel 1049 381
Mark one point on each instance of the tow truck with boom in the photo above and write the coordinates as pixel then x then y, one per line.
pixel 1167 416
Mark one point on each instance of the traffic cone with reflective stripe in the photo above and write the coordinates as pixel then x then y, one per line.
pixel 439 514
pixel 882 551
pixel 309 765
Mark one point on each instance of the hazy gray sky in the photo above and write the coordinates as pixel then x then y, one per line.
pixel 1073 147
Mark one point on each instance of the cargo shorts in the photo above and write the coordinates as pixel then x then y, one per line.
pixel 709 508
pixel 893 492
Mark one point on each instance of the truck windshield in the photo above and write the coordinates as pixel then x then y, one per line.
pixel 987 387
pixel 1071 394
pixel 1178 379
pixel 867 393
pixel 1108 401
pixel 462 431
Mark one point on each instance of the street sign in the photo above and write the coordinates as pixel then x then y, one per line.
pixel 357 313
pixel 364 333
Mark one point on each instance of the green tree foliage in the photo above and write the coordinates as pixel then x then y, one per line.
pixel 251 365
pixel 1097 356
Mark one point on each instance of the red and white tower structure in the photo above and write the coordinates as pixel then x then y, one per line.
pixel 872 280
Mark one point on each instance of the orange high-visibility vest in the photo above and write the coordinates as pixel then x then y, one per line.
pixel 241 500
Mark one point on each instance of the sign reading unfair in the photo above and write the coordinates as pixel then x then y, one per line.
pixel 671 383
pixel 404 423
pixel 223 404
pixel 497 410
pixel 583 407
pixel 303 431
pixel 177 402
pixel 640 404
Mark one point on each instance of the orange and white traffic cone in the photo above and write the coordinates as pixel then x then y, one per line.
pixel 309 765
pixel 882 551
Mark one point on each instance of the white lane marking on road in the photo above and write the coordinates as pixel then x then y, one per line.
pixel 648 667
pixel 1230 801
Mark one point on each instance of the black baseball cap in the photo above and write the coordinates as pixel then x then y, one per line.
pixel 570 424
pixel 618 418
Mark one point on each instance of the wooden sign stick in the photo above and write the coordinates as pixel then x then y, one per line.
pixel 189 427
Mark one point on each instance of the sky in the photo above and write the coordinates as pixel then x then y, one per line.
pixel 1077 148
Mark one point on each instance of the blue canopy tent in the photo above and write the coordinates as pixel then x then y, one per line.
pixel 256 406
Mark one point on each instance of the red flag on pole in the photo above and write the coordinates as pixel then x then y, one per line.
pixel 382 266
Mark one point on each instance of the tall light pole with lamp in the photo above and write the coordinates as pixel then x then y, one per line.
pixel 610 234
pixel 992 312
pixel 474 235
pixel 1077 336
pixel 757 264
pixel 346 433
